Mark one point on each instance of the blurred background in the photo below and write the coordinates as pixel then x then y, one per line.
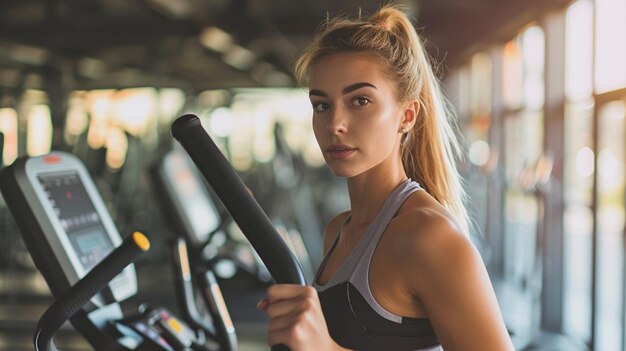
pixel 539 87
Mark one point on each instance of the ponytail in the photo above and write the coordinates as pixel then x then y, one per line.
pixel 429 150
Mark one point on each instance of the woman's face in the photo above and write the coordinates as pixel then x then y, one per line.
pixel 356 117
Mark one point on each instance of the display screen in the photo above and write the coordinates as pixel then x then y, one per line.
pixel 78 217
pixel 193 197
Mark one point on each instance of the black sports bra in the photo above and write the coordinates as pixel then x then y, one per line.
pixel 355 319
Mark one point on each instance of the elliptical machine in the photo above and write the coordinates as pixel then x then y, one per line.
pixel 196 222
pixel 192 212
pixel 68 231
pixel 72 241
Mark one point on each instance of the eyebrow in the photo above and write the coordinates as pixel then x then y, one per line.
pixel 346 90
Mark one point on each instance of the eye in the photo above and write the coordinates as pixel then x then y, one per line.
pixel 360 101
pixel 320 106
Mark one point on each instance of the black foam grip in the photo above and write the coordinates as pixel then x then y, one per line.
pixel 244 209
pixel 80 293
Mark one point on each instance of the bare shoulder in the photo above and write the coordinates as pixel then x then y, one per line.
pixel 332 229
pixel 445 272
pixel 426 237
pixel 425 224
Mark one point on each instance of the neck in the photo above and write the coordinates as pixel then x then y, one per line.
pixel 369 190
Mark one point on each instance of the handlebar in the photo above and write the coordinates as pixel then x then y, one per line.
pixel 244 209
pixel 80 293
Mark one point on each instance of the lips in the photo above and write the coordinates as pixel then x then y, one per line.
pixel 340 152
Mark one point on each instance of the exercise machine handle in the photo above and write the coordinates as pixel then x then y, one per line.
pixel 244 209
pixel 80 293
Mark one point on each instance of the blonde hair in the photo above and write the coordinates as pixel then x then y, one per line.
pixel 430 148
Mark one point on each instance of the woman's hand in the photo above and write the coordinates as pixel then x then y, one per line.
pixel 296 319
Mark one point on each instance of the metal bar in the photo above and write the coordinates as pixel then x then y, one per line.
pixel 623 317
pixel 554 145
pixel 594 198
pixel 594 232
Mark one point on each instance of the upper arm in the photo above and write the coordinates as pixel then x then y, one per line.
pixel 451 281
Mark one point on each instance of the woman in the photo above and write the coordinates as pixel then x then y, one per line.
pixel 400 272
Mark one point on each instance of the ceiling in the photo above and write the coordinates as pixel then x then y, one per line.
pixel 117 43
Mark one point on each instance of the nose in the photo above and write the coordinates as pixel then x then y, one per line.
pixel 337 124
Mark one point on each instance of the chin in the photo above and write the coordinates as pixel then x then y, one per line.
pixel 344 172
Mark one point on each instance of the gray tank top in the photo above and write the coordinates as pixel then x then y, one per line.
pixel 354 271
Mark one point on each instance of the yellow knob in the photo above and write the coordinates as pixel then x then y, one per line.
pixel 173 322
pixel 141 241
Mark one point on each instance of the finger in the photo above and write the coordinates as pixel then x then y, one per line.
pixel 283 322
pixel 262 305
pixel 286 307
pixel 288 291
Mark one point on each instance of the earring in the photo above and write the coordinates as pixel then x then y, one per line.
pixel 403 130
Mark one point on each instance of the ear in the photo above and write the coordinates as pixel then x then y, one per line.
pixel 409 114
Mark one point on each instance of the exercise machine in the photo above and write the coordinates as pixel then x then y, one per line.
pixel 68 232
pixel 254 223
pixel 191 211
pixel 197 221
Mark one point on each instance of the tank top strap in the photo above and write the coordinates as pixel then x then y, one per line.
pixel 359 276
pixel 391 206
pixel 364 248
